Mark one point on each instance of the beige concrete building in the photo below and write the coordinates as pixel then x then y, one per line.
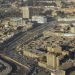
pixel 72 29
pixel 30 54
pixel 70 0
pixel 59 72
pixel 68 10
pixel 51 60
pixel 16 21
pixel 57 62
pixel 56 49
pixel 25 12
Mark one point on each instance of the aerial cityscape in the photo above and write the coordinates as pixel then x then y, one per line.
pixel 37 37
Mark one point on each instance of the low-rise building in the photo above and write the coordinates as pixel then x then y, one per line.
pixel 39 19
pixel 59 72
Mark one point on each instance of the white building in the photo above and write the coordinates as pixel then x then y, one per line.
pixel 66 19
pixel 39 19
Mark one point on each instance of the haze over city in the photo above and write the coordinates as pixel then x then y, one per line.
pixel 37 37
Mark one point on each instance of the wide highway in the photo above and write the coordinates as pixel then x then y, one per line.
pixel 28 36
pixel 25 38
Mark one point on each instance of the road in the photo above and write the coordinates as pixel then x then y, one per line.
pixel 8 68
pixel 25 38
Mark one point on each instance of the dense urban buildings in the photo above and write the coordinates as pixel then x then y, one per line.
pixel 37 37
